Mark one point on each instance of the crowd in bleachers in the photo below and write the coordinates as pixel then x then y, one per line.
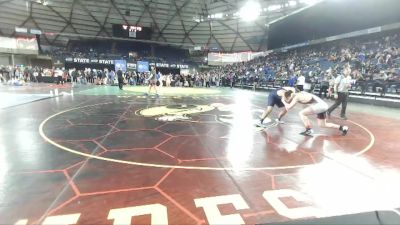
pixel 21 75
pixel 375 64
pixel 114 50
pixel 374 61
pixel 98 49
pixel 133 78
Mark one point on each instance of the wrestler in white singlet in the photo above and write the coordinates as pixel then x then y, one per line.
pixel 316 107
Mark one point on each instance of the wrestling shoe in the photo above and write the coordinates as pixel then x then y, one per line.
pixel 345 130
pixel 260 124
pixel 307 132
pixel 279 121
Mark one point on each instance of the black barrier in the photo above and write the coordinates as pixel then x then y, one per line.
pixel 368 218
pixel 46 79
pixel 79 66
pixel 83 63
pixel 168 70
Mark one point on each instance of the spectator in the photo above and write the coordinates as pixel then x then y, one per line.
pixel 301 80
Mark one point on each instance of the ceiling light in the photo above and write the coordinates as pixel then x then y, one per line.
pixel 250 11
pixel 218 15
pixel 309 2
pixel 274 7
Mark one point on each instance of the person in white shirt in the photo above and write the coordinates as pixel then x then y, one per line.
pixel 59 74
pixel 168 80
pixel 112 77
pixel 208 79
pixel 341 92
pixel 35 75
pixel 301 80
pixel 153 81
pixel 291 67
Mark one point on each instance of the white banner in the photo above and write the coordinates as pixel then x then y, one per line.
pixel 6 42
pixel 27 44
pixel 18 45
pixel 216 59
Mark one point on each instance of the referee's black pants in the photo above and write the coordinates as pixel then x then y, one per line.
pixel 342 99
pixel 300 87
pixel 120 83
pixel 323 89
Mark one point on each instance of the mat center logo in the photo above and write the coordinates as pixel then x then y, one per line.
pixel 223 113
pixel 181 112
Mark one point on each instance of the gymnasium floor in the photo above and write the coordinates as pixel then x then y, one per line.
pixel 191 156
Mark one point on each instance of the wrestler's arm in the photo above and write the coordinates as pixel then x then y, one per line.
pixel 291 104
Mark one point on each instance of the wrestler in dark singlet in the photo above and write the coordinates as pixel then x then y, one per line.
pixel 275 98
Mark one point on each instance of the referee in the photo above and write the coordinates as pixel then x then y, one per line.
pixel 341 87
pixel 120 78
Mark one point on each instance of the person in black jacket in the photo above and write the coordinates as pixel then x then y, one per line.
pixel 120 78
